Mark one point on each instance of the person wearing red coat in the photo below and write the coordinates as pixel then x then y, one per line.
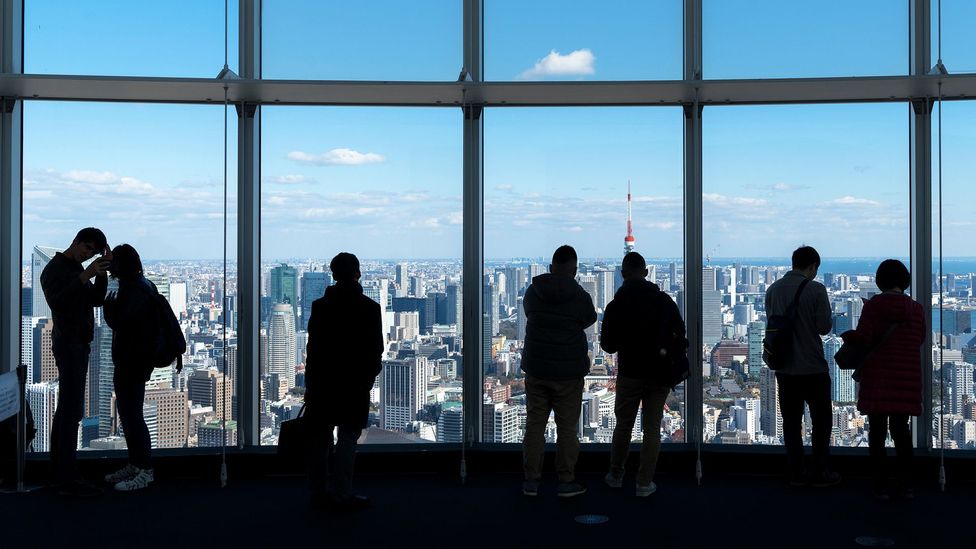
pixel 891 377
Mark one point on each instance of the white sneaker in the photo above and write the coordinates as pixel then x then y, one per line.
pixel 124 473
pixel 138 482
pixel 644 491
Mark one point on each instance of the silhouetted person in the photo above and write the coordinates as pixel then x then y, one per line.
pixel 131 313
pixel 805 378
pixel 555 359
pixel 344 356
pixel 644 327
pixel 891 376
pixel 72 298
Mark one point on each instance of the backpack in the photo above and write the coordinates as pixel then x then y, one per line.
pixel 673 349
pixel 170 341
pixel 778 343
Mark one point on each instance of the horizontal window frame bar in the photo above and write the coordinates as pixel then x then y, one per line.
pixel 491 94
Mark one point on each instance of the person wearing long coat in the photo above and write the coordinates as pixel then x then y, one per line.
pixel 891 377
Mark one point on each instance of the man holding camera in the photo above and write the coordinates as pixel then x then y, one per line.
pixel 73 297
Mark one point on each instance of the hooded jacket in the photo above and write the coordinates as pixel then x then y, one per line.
pixel 344 353
pixel 557 311
pixel 639 323
pixel 891 378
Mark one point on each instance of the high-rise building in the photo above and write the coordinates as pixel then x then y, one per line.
pixel 709 279
pixel 960 381
pixel 854 307
pixel 754 335
pixel 404 391
pixel 26 301
pixel 673 275
pixel 409 322
pixel 418 286
pixel 604 288
pixel 43 400
pixel 453 292
pixel 281 343
pixel 842 388
pixel 106 383
pixel 450 427
pixel 211 434
pixel 40 257
pixel 177 298
pixel 172 417
pixel 506 424
pixel 27 351
pixel 284 286
pixel 402 279
pixel 747 415
pixel 314 284
pixel 45 368
pixel 770 420
pixel 209 388
pixel 711 317
pixel 520 319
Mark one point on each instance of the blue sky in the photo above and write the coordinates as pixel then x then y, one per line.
pixel 386 182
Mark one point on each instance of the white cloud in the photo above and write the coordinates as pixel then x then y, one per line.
pixel 291 179
pixel 503 187
pixel 576 63
pixel 337 157
pixel 455 218
pixel 662 225
pixel 38 195
pixel 722 200
pixel 86 176
pixel 852 201
pixel 277 200
pixel 428 223
pixel 575 229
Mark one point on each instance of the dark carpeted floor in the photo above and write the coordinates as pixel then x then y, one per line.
pixel 432 510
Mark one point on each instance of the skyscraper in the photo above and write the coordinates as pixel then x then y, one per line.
pixel 841 386
pixel 172 415
pixel 960 380
pixel 314 284
pixel 711 317
pixel 755 334
pixel 854 307
pixel 450 428
pixel 404 391
pixel 770 421
pixel 453 304
pixel 44 367
pixel 43 400
pixel 284 286
pixel 281 343
pixel 40 257
pixel 209 388
pixel 106 383
pixel 418 286
pixel 27 350
pixel 401 279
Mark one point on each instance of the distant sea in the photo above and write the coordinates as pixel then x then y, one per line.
pixel 854 265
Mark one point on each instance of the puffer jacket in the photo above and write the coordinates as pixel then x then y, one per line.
pixel 557 311
pixel 891 378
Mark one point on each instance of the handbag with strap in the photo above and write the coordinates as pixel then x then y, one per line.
pixel 851 356
pixel 293 436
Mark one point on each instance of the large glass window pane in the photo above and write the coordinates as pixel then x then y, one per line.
pixel 123 38
pixel 558 176
pixel 774 39
pixel 953 402
pixel 578 40
pixel 776 177
pixel 385 185
pixel 958 41
pixel 150 176
pixel 381 40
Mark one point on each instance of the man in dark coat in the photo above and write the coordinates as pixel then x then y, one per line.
pixel 555 359
pixel 343 357
pixel 644 327
pixel 72 297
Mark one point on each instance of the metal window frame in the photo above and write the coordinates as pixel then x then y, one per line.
pixel 471 94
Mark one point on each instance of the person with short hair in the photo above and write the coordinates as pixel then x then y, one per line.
pixel 131 313
pixel 343 357
pixel 72 297
pixel 805 379
pixel 555 359
pixel 643 326
pixel 893 324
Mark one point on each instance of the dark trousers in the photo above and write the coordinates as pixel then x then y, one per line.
pixel 71 360
pixel 565 399
pixel 327 456
pixel 129 397
pixel 794 391
pixel 632 393
pixel 899 425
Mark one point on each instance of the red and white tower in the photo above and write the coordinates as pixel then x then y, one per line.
pixel 629 240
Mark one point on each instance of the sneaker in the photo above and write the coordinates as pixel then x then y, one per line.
pixel 530 488
pixel 79 489
pixel 124 473
pixel 825 479
pixel 645 490
pixel 570 489
pixel 613 481
pixel 138 482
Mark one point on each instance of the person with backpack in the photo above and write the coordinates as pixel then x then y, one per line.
pixel 893 327
pixel 72 297
pixel 555 359
pixel 798 313
pixel 131 313
pixel 643 326
pixel 343 357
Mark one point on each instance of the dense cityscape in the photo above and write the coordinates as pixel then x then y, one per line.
pixel 417 397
